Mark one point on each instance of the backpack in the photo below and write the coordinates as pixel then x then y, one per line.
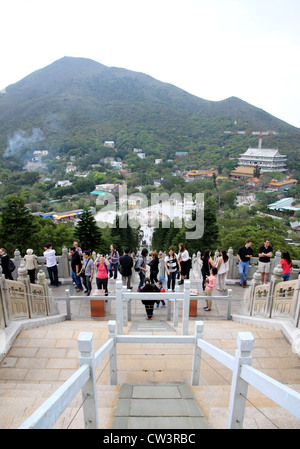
pixel 138 263
pixel 11 266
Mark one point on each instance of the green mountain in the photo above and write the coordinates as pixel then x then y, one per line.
pixel 73 105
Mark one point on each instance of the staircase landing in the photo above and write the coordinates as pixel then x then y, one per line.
pixel 158 406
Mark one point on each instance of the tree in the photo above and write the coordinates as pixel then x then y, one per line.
pixel 88 233
pixel 17 226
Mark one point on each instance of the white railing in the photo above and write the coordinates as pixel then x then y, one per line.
pixel 124 298
pixel 85 377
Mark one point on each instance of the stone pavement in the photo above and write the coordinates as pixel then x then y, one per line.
pixel 42 358
pixel 156 406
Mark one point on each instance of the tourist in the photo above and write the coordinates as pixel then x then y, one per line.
pixel 88 269
pixel 162 290
pixel 149 303
pixel 126 264
pixel 265 252
pixel 286 263
pixel 76 268
pixel 223 268
pixel 171 265
pixel 244 255
pixel 77 248
pixel 5 263
pixel 141 266
pixel 207 264
pixel 161 267
pixel 185 263
pixel 113 262
pixel 49 255
pixel 153 264
pixel 210 281
pixel 102 273
pixel 31 264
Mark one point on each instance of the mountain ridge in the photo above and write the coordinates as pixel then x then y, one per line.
pixel 77 102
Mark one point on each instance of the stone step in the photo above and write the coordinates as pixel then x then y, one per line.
pixel 158 406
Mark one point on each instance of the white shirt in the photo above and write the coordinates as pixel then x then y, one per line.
pixel 184 256
pixel 50 257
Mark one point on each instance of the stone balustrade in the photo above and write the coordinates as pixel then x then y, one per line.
pixel 21 300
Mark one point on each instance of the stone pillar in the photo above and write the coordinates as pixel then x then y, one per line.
pixel 65 269
pixel 4 315
pixel 17 262
pixel 230 274
pixel 23 277
pixel 275 278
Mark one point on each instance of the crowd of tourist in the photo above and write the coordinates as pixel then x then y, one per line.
pixel 154 270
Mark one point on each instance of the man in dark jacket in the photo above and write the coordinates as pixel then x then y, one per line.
pixel 76 268
pixel 126 264
pixel 149 303
pixel 4 259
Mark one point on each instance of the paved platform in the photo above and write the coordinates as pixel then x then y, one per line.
pixel 158 406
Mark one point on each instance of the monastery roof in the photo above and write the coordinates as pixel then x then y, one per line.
pixel 262 152
pixel 282 183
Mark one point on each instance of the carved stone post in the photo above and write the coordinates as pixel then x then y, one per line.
pixel 231 264
pixel 23 277
pixel 3 302
pixel 65 269
pixel 17 262
pixel 275 278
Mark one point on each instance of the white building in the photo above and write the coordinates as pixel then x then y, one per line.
pixel 109 144
pixel 267 160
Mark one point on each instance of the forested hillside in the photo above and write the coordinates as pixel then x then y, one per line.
pixel 73 105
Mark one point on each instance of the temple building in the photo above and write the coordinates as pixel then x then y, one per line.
pixel 267 160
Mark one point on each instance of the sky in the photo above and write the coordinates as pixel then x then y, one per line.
pixel 213 49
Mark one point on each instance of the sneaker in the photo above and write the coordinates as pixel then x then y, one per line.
pixel 163 306
pixel 156 306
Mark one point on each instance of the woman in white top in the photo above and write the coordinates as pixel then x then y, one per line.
pixel 171 263
pixel 31 264
pixel 223 267
pixel 185 263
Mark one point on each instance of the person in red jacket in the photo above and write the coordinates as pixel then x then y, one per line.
pixel 102 273
pixel 286 263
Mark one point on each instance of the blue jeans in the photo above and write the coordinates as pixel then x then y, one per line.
pixel 77 280
pixel 115 265
pixel 243 271
pixel 286 277
pixel 171 278
pixel 142 278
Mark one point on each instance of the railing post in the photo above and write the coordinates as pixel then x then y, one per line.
pixel 176 308
pixel 119 307
pixel 239 387
pixel 229 304
pixel 68 304
pixel 89 391
pixel 125 307
pixel 197 353
pixel 112 333
pixel 186 307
